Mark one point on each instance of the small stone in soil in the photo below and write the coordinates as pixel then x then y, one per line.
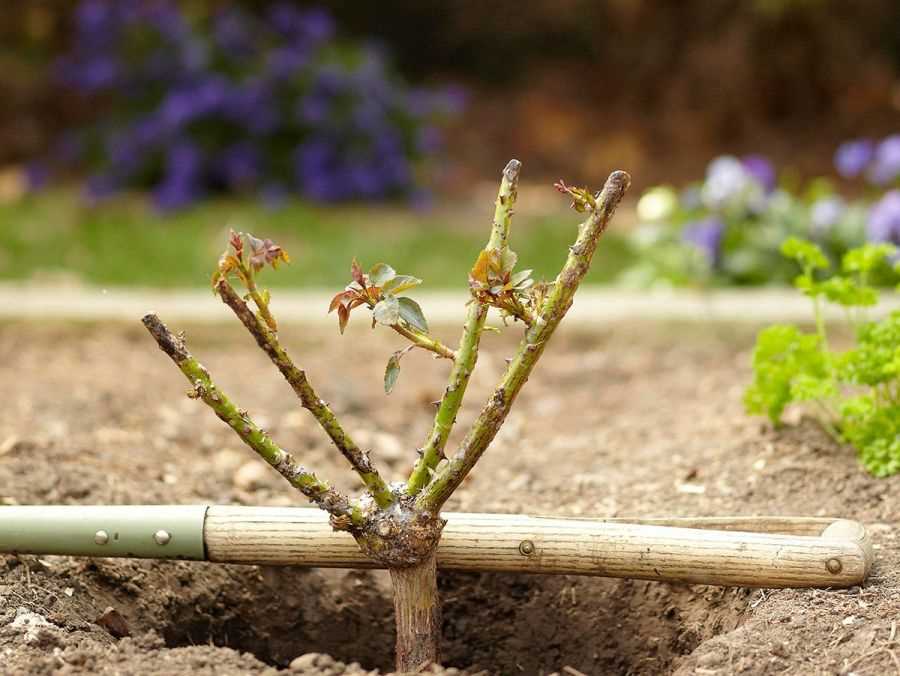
pixel 112 620
pixel 251 475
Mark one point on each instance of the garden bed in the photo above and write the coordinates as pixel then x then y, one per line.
pixel 636 419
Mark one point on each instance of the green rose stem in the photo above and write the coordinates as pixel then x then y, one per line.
pixel 425 341
pixel 254 293
pixel 467 355
pixel 345 515
pixel 554 308
pixel 267 340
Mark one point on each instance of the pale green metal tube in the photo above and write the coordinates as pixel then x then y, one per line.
pixel 137 531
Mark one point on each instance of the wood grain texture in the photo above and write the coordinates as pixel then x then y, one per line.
pixel 735 551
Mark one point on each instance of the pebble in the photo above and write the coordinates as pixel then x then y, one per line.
pixel 318 663
pixel 251 475
pixel 711 658
pixel 35 628
pixel 112 620
pixel 294 420
pixel 228 460
pixel 383 445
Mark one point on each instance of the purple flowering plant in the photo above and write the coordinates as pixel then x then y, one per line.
pixel 877 162
pixel 196 102
pixel 729 227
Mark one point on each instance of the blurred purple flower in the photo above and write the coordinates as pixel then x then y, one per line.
pixel 369 118
pixel 761 169
pixel 729 185
pixel 313 109
pixel 184 159
pixel 233 33
pixel 175 193
pixel 252 105
pixel 884 219
pixel 242 100
pixel 164 16
pixel 94 16
pixel 178 108
pixel 318 25
pixel 285 18
pixel 825 213
pixel 181 183
pixel 311 159
pixel 284 62
pixel 706 235
pixel 184 105
pixel 240 165
pixel 315 25
pixel 852 157
pixel 149 131
pixel 886 165
pixel 90 75
pixel 365 181
pixel 37 174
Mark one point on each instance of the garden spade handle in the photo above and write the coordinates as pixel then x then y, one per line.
pixel 732 551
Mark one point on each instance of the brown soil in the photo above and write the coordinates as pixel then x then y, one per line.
pixel 613 423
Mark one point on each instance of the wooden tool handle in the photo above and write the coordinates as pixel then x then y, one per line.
pixel 739 551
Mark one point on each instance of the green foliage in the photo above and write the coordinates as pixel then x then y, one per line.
pixel 807 254
pixel 379 290
pixel 493 282
pixel 392 372
pixel 856 392
pixel 243 259
pixel 788 365
pixel 51 236
pixel 412 314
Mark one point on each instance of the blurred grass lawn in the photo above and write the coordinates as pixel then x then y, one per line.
pixel 54 236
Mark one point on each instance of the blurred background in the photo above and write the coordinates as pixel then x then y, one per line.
pixel 134 133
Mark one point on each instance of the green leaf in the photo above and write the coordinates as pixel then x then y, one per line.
pixel 867 258
pixel 806 253
pixel 380 274
pixel 400 283
pixel 391 373
pixel 872 361
pixel 806 387
pixel 782 354
pixel 412 314
pixel 521 279
pixel 387 311
pixel 848 293
pixel 508 260
pixel 807 285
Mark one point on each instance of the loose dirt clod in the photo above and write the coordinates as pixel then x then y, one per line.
pixel 112 620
